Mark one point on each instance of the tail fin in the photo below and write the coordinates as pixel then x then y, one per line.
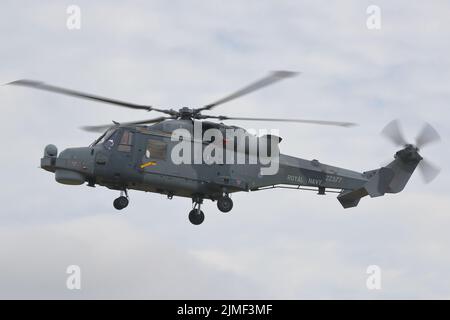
pixel 389 179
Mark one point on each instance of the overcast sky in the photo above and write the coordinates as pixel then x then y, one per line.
pixel 274 244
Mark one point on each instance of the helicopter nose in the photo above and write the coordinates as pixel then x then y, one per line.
pixel 73 166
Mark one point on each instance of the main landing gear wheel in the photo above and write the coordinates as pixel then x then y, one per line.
pixel 225 204
pixel 122 201
pixel 196 216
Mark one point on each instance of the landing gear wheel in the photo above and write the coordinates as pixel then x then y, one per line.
pixel 120 203
pixel 196 217
pixel 225 204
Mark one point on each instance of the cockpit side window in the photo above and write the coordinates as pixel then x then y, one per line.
pixel 126 141
pixel 109 140
pixel 102 138
pixel 156 149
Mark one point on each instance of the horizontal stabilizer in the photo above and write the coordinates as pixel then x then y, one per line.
pixel 376 186
pixel 351 198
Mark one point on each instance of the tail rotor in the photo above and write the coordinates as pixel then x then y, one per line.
pixel 428 135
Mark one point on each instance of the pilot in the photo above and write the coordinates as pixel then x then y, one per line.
pixel 109 144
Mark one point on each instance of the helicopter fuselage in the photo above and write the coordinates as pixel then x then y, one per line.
pixel 143 158
pixel 140 158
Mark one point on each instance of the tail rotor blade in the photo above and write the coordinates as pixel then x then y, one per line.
pixel 427 135
pixel 429 171
pixel 393 132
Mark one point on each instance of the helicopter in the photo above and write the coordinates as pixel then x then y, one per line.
pixel 145 156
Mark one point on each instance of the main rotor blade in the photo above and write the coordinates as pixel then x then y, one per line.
pixel 268 80
pixel 393 132
pixel 427 135
pixel 321 122
pixel 429 171
pixel 78 94
pixel 102 128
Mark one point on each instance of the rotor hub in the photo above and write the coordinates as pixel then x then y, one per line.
pixel 410 153
pixel 186 113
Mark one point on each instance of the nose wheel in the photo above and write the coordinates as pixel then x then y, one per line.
pixel 196 216
pixel 122 201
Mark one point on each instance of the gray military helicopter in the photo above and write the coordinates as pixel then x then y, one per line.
pixel 139 156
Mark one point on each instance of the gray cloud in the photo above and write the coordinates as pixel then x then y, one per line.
pixel 117 260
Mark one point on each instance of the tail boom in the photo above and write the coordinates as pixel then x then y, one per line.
pixel 389 179
pixel 352 185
